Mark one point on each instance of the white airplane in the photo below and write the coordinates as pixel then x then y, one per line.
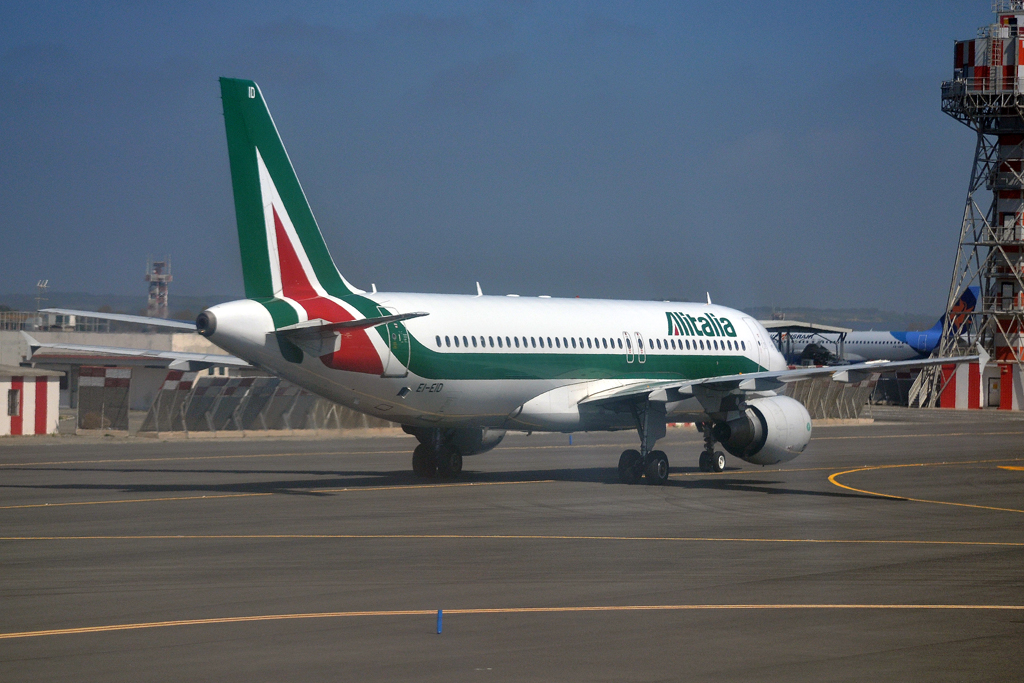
pixel 458 371
pixel 883 345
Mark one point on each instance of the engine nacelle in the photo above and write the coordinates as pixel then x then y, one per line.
pixel 466 440
pixel 474 441
pixel 770 431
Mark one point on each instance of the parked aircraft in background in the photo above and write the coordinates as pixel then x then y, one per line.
pixel 882 345
pixel 458 371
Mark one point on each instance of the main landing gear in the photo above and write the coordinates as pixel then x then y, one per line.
pixel 443 461
pixel 436 455
pixel 632 467
pixel 651 466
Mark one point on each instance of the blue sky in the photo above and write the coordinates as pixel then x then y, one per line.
pixel 786 153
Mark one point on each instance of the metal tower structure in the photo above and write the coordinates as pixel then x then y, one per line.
pixel 158 275
pixel 987 95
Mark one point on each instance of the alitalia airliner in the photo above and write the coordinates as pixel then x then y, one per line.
pixel 457 371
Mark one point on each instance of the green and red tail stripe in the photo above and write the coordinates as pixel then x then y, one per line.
pixel 285 262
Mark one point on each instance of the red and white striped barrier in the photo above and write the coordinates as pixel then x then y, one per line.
pixel 32 402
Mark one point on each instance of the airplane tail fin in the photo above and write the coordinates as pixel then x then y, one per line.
pixel 283 251
pixel 958 316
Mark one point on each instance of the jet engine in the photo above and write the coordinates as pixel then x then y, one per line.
pixel 768 431
pixel 466 440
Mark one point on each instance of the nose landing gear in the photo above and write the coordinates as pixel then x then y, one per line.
pixel 710 460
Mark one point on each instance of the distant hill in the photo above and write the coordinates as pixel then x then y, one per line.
pixel 854 318
pixel 182 306
pixel 185 307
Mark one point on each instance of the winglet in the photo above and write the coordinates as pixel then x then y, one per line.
pixel 33 344
pixel 709 298
pixel 479 292
pixel 982 360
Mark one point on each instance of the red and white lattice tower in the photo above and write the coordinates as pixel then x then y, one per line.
pixel 158 275
pixel 987 95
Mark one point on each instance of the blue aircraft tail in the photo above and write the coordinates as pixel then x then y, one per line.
pixel 958 317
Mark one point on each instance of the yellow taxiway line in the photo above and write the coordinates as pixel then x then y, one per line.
pixel 495 610
pixel 503 537
pixel 833 478
pixel 912 436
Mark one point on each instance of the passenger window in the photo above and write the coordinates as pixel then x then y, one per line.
pixel 499 342
pixel 716 344
pixel 517 341
pixel 574 342
pixel 438 338
pixel 447 341
pixel 474 341
pixel 588 343
pixel 491 340
pixel 464 342
pixel 558 343
pixel 701 344
pixel 508 343
pixel 456 342
pixel 533 342
pixel 565 342
pixel 620 343
pixel 629 345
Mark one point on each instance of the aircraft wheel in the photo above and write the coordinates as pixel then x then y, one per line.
pixel 705 462
pixel 630 467
pixel 656 473
pixel 423 463
pixel 449 462
pixel 718 462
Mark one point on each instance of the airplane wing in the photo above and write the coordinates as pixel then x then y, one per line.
pixel 123 317
pixel 709 388
pixel 176 360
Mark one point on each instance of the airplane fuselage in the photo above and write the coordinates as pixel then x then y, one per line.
pixel 865 346
pixel 504 362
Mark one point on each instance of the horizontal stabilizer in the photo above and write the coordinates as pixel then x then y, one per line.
pixel 321 326
pixel 125 318
pixel 175 360
pixel 318 337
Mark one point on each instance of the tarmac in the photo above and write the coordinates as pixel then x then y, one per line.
pixel 887 552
